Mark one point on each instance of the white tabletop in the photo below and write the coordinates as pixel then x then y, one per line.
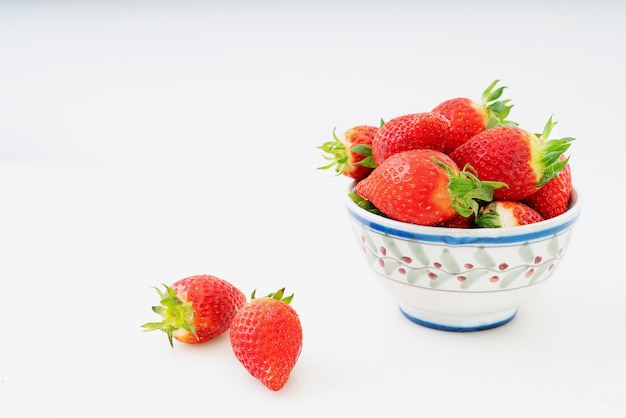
pixel 132 158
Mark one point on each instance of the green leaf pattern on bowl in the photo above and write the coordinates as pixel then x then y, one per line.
pixel 475 268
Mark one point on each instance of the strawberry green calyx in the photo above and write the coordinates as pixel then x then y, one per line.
pixel 338 155
pixel 466 189
pixel 551 152
pixel 278 295
pixel 490 218
pixel 498 110
pixel 366 151
pixel 176 314
pixel 365 204
pixel 335 152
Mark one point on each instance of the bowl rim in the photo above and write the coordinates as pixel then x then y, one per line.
pixel 461 236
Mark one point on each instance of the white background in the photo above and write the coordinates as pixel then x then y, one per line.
pixel 142 142
pixel 271 79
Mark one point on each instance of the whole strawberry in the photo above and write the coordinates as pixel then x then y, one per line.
pixel 266 338
pixel 506 214
pixel 468 117
pixel 196 309
pixel 552 199
pixel 509 154
pixel 351 153
pixel 424 187
pixel 413 131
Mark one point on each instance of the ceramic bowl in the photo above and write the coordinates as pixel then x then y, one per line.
pixel 462 279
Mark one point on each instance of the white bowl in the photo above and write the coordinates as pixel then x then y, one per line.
pixel 462 279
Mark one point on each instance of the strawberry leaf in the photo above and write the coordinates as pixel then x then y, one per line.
pixel 175 314
pixel 336 153
pixel 489 218
pixel 497 110
pixel 552 151
pixel 366 151
pixel 278 295
pixel 466 189
pixel 365 204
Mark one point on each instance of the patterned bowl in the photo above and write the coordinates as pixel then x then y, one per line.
pixel 462 279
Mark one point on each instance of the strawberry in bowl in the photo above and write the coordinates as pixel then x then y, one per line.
pixel 462 232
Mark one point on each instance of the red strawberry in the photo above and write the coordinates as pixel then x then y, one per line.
pixel 552 199
pixel 413 131
pixel 423 187
pixel 468 117
pixel 506 213
pixel 459 221
pixel 266 337
pixel 351 154
pixel 511 155
pixel 196 309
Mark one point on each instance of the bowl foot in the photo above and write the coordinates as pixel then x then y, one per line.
pixel 460 322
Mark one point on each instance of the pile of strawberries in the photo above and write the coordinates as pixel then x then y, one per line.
pixel 461 165
pixel 265 332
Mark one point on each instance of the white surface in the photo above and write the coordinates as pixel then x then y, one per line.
pixel 81 245
pixel 158 95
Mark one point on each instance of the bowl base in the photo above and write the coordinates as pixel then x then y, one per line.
pixel 460 322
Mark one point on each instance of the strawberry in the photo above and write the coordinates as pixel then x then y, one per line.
pixel 266 338
pixel 412 131
pixel 351 153
pixel 505 214
pixel 196 309
pixel 459 221
pixel 509 154
pixel 468 117
pixel 424 187
pixel 552 199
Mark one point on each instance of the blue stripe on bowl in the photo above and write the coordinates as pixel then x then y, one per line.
pixel 470 238
pixel 443 327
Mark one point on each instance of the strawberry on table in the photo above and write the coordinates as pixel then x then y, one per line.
pixel 468 117
pixel 552 199
pixel 506 214
pixel 351 153
pixel 196 309
pixel 413 131
pixel 266 338
pixel 424 187
pixel 509 154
